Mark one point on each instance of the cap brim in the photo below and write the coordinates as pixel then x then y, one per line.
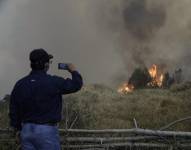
pixel 50 56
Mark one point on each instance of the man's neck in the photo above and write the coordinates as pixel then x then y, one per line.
pixel 39 71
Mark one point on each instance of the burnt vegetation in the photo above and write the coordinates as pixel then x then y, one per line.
pixel 140 78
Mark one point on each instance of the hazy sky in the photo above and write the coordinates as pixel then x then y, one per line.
pixel 65 28
pixel 105 39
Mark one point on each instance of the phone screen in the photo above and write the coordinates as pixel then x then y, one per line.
pixel 62 66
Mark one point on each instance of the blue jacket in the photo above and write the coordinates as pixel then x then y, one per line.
pixel 38 97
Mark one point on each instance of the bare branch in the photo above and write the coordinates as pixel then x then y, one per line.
pixel 175 122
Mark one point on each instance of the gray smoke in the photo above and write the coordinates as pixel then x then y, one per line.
pixel 103 38
pixel 148 32
pixel 65 28
pixel 140 21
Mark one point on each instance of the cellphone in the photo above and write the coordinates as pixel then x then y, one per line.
pixel 63 66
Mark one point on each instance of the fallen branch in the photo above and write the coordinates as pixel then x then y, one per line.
pixel 129 131
pixel 175 122
pixel 109 139
pixel 146 145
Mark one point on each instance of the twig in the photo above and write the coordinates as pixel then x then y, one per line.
pixel 67 117
pixel 135 123
pixel 71 126
pixel 175 122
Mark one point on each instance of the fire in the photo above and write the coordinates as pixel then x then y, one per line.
pixel 153 71
pixel 126 88
pixel 154 78
pixel 156 75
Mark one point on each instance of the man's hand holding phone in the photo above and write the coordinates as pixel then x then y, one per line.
pixel 67 66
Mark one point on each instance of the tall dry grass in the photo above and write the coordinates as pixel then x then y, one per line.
pixel 100 107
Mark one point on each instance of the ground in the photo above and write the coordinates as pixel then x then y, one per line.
pixel 100 107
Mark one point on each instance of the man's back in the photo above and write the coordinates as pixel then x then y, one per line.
pixel 39 96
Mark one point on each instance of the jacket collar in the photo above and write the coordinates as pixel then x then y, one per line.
pixel 38 72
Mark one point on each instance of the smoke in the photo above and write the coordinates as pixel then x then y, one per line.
pixel 65 28
pixel 147 32
pixel 102 37
pixel 141 22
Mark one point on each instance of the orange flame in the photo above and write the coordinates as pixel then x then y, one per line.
pixel 126 88
pixel 157 77
pixel 153 71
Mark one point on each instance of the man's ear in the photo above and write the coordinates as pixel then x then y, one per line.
pixel 46 65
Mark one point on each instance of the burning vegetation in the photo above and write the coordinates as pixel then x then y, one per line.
pixel 157 76
pixel 126 88
pixel 154 77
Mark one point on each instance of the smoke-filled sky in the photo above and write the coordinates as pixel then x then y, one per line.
pixel 64 28
pixel 106 39
pixel 150 31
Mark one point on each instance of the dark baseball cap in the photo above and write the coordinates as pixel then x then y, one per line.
pixel 40 55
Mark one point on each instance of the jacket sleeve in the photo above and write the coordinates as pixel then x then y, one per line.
pixel 67 86
pixel 14 111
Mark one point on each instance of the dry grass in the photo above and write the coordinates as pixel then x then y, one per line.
pixel 99 107
pixel 4 119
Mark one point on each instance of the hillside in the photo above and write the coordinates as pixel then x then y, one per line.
pixel 99 107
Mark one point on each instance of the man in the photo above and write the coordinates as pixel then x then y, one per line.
pixel 36 103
